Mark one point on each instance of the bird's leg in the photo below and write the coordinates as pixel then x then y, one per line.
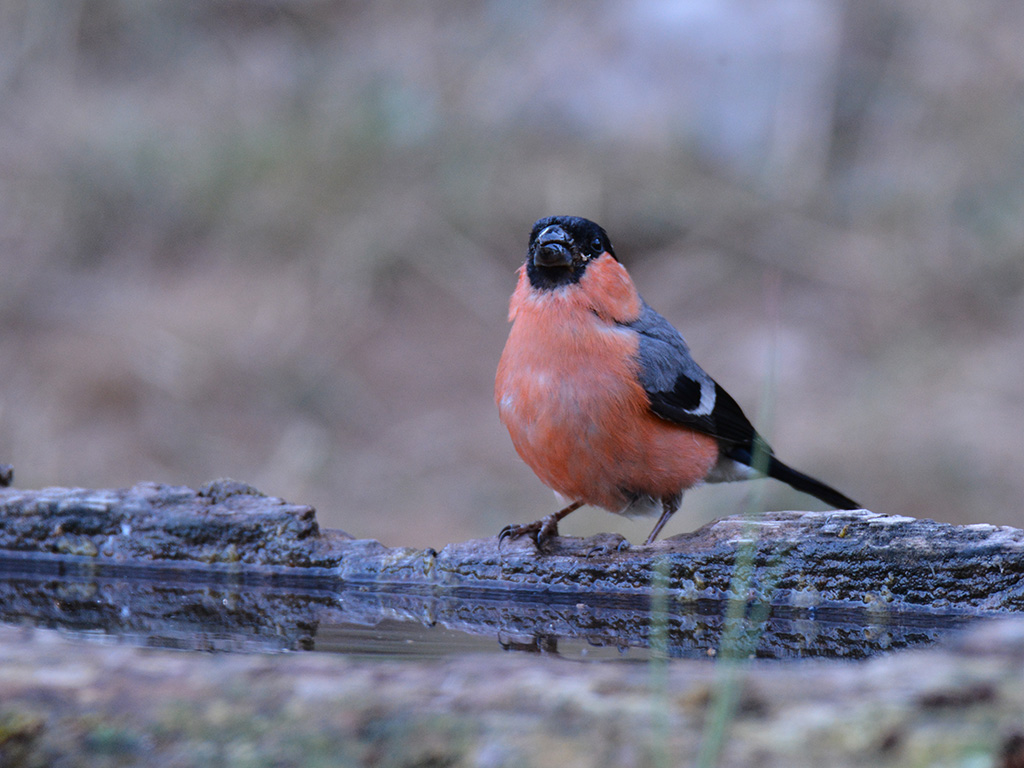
pixel 540 530
pixel 669 505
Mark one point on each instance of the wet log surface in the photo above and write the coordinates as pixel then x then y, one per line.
pixel 227 614
pixel 226 568
pixel 802 560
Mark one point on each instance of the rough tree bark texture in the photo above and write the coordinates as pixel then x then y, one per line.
pixel 799 559
pixel 159 565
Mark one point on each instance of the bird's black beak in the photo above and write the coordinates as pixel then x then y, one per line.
pixel 551 249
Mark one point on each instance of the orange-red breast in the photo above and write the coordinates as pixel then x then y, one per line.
pixel 602 398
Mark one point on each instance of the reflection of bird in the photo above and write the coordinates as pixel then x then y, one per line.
pixel 602 398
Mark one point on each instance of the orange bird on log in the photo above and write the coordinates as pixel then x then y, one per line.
pixel 602 398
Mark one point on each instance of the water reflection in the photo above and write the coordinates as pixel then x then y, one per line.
pixel 235 612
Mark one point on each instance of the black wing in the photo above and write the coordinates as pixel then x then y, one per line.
pixel 680 391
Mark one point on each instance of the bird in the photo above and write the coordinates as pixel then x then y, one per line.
pixel 602 398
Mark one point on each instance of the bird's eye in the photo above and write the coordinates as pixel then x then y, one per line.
pixel 596 246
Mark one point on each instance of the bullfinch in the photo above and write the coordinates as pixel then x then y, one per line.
pixel 602 398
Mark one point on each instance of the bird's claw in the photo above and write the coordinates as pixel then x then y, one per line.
pixel 608 544
pixel 512 532
pixel 539 531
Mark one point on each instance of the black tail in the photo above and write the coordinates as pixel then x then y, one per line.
pixel 806 484
pixel 800 481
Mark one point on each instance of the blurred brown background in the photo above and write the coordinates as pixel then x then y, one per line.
pixel 275 240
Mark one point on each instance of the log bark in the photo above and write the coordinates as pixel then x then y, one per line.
pixel 801 560
pixel 227 565
pixel 226 568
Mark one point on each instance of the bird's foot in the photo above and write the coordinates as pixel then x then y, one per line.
pixel 539 531
pixel 543 644
pixel 607 544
